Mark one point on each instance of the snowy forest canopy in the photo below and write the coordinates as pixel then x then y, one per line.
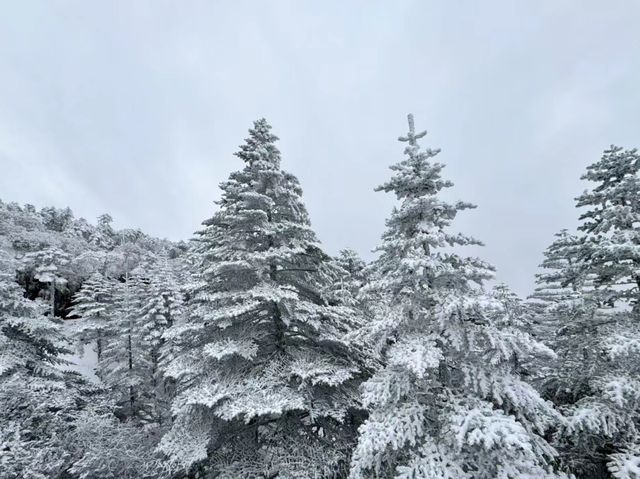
pixel 249 352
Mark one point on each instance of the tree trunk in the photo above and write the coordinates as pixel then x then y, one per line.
pixel 53 298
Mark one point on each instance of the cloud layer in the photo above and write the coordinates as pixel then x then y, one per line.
pixel 137 108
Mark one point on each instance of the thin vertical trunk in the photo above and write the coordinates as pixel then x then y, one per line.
pixel 130 354
pixel 99 346
pixel 98 340
pixel 277 314
pixel 98 369
pixel 155 385
pixel 53 298
pixel 130 344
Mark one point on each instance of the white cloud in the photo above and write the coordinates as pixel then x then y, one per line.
pixel 137 108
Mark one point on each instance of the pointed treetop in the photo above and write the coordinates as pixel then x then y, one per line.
pixel 261 132
pixel 262 128
pixel 260 145
pixel 412 136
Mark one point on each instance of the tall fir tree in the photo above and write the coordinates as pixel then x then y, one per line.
pixel 266 383
pixel 611 225
pixel 38 400
pixel 104 235
pixel 162 305
pixel 125 320
pixel 125 366
pixel 93 304
pixel 565 311
pixel 602 433
pixel 448 401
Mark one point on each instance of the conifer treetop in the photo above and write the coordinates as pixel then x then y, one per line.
pixel 610 225
pixel 260 147
pixel 412 137
pixel 415 248
pixel 415 176
pixel 614 201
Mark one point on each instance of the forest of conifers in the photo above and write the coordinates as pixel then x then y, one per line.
pixel 249 352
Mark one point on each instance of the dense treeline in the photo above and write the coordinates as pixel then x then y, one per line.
pixel 249 352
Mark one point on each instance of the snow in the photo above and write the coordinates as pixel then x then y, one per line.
pixel 84 361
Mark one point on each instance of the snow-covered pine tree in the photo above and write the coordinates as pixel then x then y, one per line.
pixel 103 447
pixel 163 301
pixel 266 385
pixel 350 278
pixel 562 277
pixel 104 236
pixel 126 256
pixel 565 309
pixel 125 320
pixel 125 366
pixel 601 435
pixel 56 219
pixel 162 305
pixel 37 398
pixel 612 225
pixel 448 402
pixel 514 311
pixel 93 304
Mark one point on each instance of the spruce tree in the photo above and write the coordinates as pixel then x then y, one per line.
pixel 125 366
pixel 562 277
pixel 565 310
pixel 448 401
pixel 611 225
pixel 37 399
pixel 266 383
pixel 104 235
pixel 126 321
pixel 602 433
pixel 349 279
pixel 162 304
pixel 93 305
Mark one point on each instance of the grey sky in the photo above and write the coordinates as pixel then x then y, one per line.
pixel 135 108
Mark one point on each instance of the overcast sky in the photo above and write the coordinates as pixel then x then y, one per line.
pixel 136 108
